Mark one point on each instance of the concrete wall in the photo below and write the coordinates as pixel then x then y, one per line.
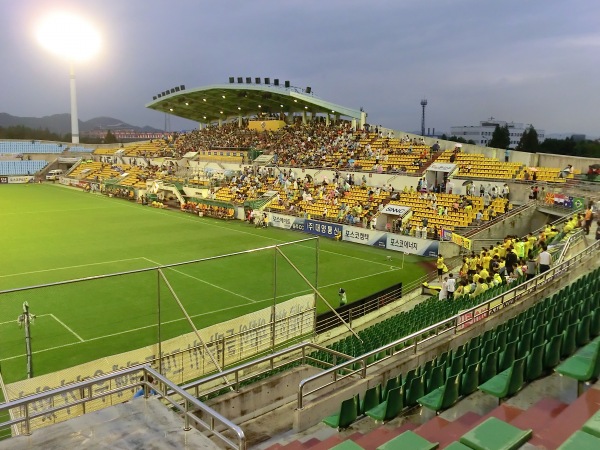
pixel 519 224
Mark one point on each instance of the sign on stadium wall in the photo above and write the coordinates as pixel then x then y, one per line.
pixel 364 236
pixel 395 210
pixel 326 229
pixel 183 358
pixel 16 179
pixel 286 222
pixel 412 245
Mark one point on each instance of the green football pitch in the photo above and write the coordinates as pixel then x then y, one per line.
pixel 51 234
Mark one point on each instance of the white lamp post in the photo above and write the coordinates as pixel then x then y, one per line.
pixel 74 39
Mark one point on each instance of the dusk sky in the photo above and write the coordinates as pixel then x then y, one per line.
pixel 533 61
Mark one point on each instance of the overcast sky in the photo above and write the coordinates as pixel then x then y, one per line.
pixel 532 61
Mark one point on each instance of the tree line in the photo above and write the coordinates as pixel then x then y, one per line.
pixel 530 142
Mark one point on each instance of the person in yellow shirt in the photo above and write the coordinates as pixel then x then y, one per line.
pixel 501 250
pixel 464 269
pixel 532 240
pixel 467 289
pixel 440 267
pixel 483 273
pixel 485 261
pixel 520 249
pixel 472 264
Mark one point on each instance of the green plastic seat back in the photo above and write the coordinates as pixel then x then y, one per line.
pixel 507 356
pixel 451 391
pixel 436 378
pixel 524 344
pixel 583 330
pixel 517 376
pixel 416 390
pixel 371 399
pixel 552 352
pixel 470 379
pixel 535 363
pixel 569 343
pixel 394 403
pixel 539 336
pixel 489 368
pixel 349 412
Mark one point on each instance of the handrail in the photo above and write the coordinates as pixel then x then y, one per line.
pixel 470 316
pixel 186 404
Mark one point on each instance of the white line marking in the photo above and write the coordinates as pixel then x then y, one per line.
pixel 203 281
pixel 68 328
pixel 15 321
pixel 70 267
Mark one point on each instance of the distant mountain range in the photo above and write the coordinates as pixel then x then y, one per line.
pixel 61 123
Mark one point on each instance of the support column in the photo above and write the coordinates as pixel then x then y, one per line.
pixel 240 122
pixel 220 122
pixel 327 122
pixel 363 119
pixel 354 124
pixel 304 117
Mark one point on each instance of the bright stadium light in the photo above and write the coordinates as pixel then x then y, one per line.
pixel 74 39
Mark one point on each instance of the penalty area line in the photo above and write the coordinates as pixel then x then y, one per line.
pixel 67 327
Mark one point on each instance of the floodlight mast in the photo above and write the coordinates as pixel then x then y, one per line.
pixel 25 320
pixel 73 39
pixel 74 116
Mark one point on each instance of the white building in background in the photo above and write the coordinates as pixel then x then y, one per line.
pixel 483 132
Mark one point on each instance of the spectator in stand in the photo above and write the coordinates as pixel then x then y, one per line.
pixel 544 260
pixel 451 286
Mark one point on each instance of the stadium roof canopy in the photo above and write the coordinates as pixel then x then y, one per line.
pixel 226 101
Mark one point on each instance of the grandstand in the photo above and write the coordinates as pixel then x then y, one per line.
pixel 407 355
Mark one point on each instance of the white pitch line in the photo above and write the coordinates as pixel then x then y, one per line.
pixel 70 267
pixel 68 328
pixel 15 321
pixel 203 281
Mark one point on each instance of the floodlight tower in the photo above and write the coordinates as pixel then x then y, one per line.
pixel 25 320
pixel 75 40
pixel 423 105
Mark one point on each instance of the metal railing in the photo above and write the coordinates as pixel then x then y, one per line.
pixel 411 343
pixel 26 409
pixel 236 376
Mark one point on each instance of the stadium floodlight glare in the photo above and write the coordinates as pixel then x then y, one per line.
pixel 74 39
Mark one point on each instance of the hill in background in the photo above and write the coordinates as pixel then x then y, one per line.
pixel 61 123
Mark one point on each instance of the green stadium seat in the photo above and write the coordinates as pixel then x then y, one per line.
pixel 408 440
pixel 506 383
pixel 470 379
pixel 489 368
pixel 495 434
pixel 584 365
pixel 444 396
pixel 583 330
pixel 569 343
pixel 390 384
pixel 507 356
pixel 389 408
pixel 371 399
pixel 534 368
pixel 592 426
pixel 457 446
pixel 348 413
pixel 580 440
pixel 347 445
pixel 552 352
pixel 436 378
pixel 414 391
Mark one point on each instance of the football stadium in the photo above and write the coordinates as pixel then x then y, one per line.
pixel 289 276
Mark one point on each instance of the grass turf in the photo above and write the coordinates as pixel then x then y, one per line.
pixel 51 234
